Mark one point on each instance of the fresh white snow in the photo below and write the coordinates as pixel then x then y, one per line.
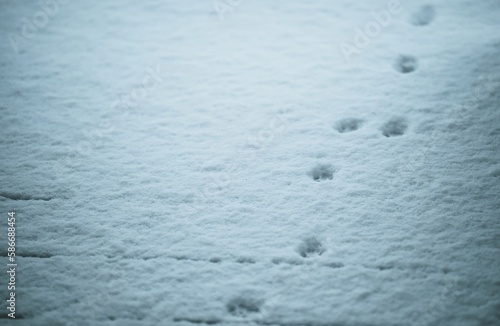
pixel 229 163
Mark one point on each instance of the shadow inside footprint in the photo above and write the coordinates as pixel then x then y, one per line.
pixel 311 247
pixel 394 127
pixel 244 305
pixel 322 172
pixel 424 16
pixel 23 196
pixel 348 125
pixel 405 64
pixel 245 260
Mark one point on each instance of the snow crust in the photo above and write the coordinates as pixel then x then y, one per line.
pixel 172 166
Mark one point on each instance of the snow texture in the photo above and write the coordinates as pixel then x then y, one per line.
pixel 252 162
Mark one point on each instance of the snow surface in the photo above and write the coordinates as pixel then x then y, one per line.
pixel 172 166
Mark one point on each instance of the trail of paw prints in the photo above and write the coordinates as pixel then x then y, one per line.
pixel 395 126
pixel 423 16
pixel 309 248
pixel 251 306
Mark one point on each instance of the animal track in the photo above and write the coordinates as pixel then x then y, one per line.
pixel 311 247
pixel 384 267
pixel 394 127
pixel 496 173
pixel 424 16
pixel 405 64
pixel 245 260
pixel 19 196
pixel 215 260
pixel 334 265
pixel 348 125
pixel 197 321
pixel 28 254
pixel 279 260
pixel 322 172
pixel 244 305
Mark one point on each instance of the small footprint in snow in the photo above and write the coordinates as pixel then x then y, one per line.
pixel 245 260
pixel 348 125
pixel 322 172
pixel 394 127
pixel 424 16
pixel 310 247
pixel 405 64
pixel 244 305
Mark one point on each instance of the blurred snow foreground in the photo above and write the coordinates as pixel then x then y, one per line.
pixel 169 167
